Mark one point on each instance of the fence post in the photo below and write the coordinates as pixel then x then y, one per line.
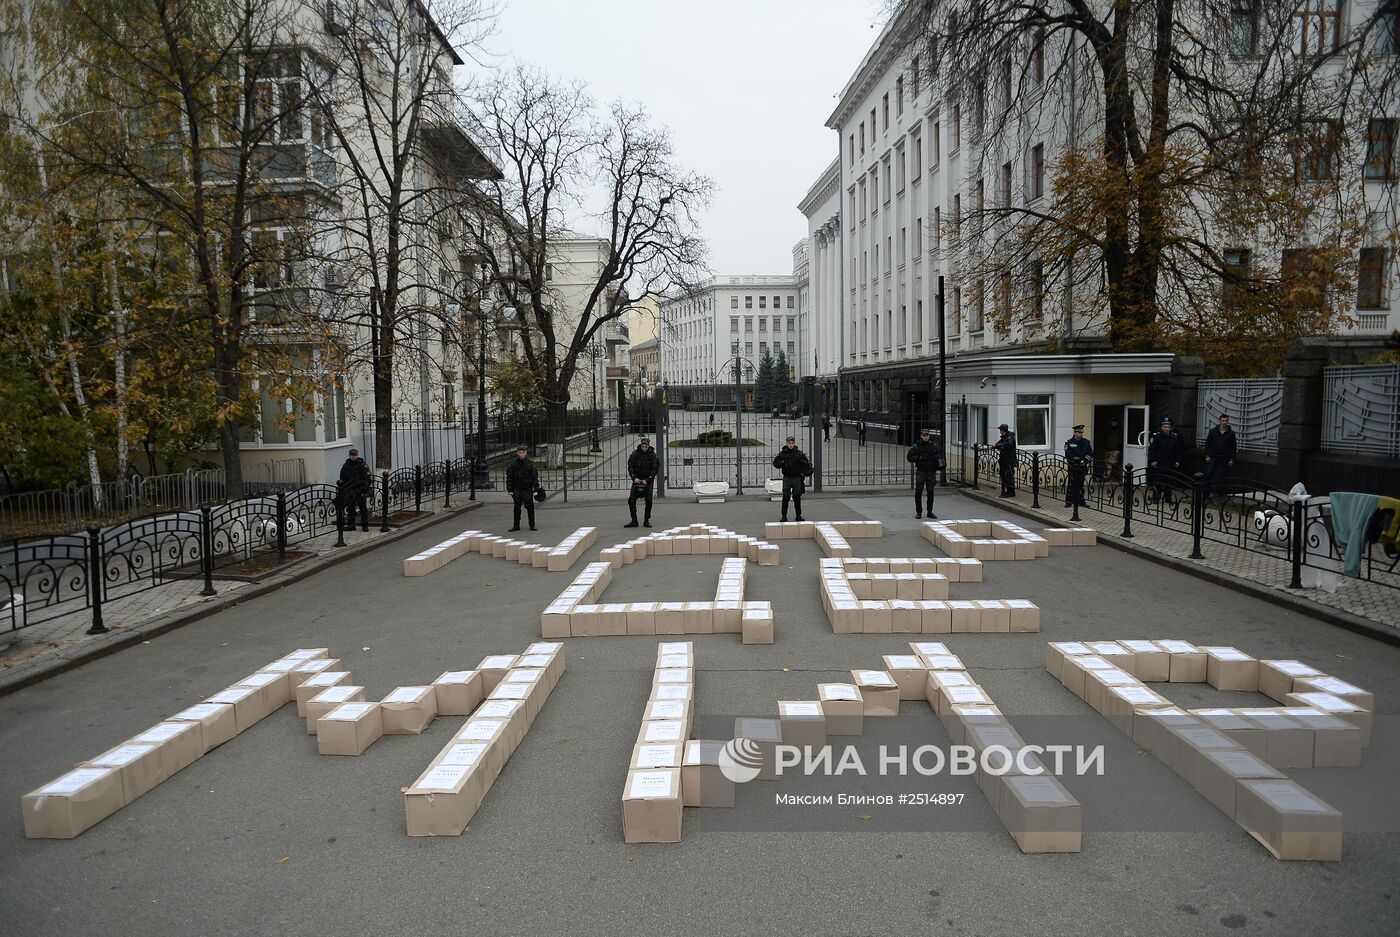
pixel 1035 483
pixel 94 558
pixel 339 518
pixel 206 549
pixel 471 495
pixel 281 527
pixel 975 467
pixel 661 450
pixel 418 489
pixel 1296 540
pixel 816 447
pixel 1197 524
pixel 1128 502
pixel 447 485
pixel 384 518
pixel 564 463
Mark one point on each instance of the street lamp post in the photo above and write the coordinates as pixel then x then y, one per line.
pixel 594 446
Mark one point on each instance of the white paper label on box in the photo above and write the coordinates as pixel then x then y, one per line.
pixel 1205 737
pixel 652 784
pixel 456 677
pixel 1105 647
pixel 1115 677
pixel 163 732
pixel 537 661
pixel 122 755
pixel 1327 702
pixel 1141 647
pixel 498 708
pixel 1289 797
pixel 442 777
pixel 406 694
pixel 543 647
pixel 463 753
pixel 314 666
pixel 336 694
pixel 481 729
pixel 232 695
pixel 1226 653
pixel 672 691
pixel 285 665
pixel 903 662
pixel 657 756
pixel 73 781
pixel 673 647
pixel 511 691
pixel 497 662
pixel 673 675
pixel 673 660
pixel 1039 790
pixel 1179 647
pixel 326 678
pixel 304 653
pixel 945 662
pixel 1136 694
pixel 978 711
pixel 348 712
pixel 1072 648
pixel 801 709
pixel 1094 662
pixel 666 730
pixel 262 678
pixel 1243 764
pixel 666 709
pixel 840 691
pixel 201 712
pixel 966 694
pixel 1295 668
pixel 952 678
pixel 1337 687
pixel 522 675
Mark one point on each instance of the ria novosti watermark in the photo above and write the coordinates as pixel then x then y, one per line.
pixel 742 760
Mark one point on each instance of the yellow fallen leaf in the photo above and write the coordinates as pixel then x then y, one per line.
pixel 225 644
pixel 865 817
pixel 283 859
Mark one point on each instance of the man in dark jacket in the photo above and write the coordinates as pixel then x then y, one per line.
pixel 521 481
pixel 642 465
pixel 794 465
pixel 355 485
pixel 1006 452
pixel 927 459
pixel 826 428
pixel 860 432
pixel 1163 458
pixel 1220 455
pixel 1079 458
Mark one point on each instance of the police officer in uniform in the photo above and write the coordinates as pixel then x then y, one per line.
pixel 1079 456
pixel 795 466
pixel 642 466
pixel 1006 449
pixel 926 458
pixel 1163 459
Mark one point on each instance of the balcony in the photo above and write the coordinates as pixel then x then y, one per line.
pixel 617 372
pixel 616 332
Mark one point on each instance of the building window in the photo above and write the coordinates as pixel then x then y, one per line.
pixel 977 424
pixel 884 110
pixel 957 214
pixel 1317 147
pixel 914 73
pixel 734 302
pixel 889 252
pixel 777 302
pixel 918 238
pixel 762 322
pixel 956 129
pixel 1317 26
pixel 903 246
pixel 1037 170
pixel 748 323
pixel 748 346
pixel 791 351
pixel 1032 419
pixel 937 143
pixel 899 96
pixel 953 313
pixel 981 198
pixel 1388 31
pixel 790 306
pixel 1005 184
pixel 937 229
pixel 792 320
pixel 1007 86
pixel 1380 148
pixel 862 138
pixel 977 313
pixel 1243 38
pixel 1037 288
pixel 889 190
pixel 903 325
pixel 899 169
pixel 733 323
pixel 1038 57
pixel 918 320
pixel 748 302
pixel 777 323
pixel 548 272
pixel 1234 276
pixel 1303 277
pixel 853 149
pixel 918 157
pixel 1004 301
pixel 1370 279
pixel 762 303
pixel 872 121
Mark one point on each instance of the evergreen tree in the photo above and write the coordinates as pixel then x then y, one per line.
pixel 763 389
pixel 782 381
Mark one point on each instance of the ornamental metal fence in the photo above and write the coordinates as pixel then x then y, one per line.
pixel 1255 408
pixel 1361 410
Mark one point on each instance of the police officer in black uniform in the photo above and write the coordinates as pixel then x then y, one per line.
pixel 1079 456
pixel 642 466
pixel 1006 449
pixel 795 466
pixel 927 459
pixel 356 484
pixel 521 482
pixel 1163 459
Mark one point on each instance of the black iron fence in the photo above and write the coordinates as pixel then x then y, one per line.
pixel 1239 513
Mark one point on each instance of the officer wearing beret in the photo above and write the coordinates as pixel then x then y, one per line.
pixel 1079 456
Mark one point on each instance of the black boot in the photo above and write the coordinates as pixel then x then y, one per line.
pixel 632 523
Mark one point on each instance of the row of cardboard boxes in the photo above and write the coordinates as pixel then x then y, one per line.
pixel 555 559
pixel 1231 756
pixel 702 539
pixel 445 797
pixel 953 569
pixel 831 536
pixel 850 614
pixel 1002 540
pixel 654 790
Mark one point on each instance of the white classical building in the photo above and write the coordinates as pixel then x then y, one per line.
pixel 703 330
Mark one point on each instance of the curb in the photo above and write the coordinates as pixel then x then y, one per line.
pixel 98 646
pixel 1335 617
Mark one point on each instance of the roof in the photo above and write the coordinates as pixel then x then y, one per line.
pixel 1022 365
pixel 647 345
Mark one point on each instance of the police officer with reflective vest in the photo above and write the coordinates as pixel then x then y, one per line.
pixel 1079 456
pixel 927 459
pixel 795 466
pixel 642 467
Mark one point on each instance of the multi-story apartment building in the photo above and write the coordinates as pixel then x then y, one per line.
pixel 916 172
pixel 703 330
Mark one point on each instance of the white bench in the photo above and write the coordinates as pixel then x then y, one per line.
pixel 711 492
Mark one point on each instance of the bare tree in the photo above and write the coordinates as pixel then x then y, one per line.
pixel 566 166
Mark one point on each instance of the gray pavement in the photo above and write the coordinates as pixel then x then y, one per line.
pixel 264 836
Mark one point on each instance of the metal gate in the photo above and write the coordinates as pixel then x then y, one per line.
pixel 704 445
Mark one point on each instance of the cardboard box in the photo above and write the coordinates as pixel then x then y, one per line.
pixel 330 699
pixel 349 729
pixel 673 675
pixel 662 730
pixel 909 674
pixel 670 618
pixel 1288 743
pixel 641 618
pixel 69 804
pixel 1057 651
pixel 878 692
pixel 966 616
pixel 138 765
pixel 764 736
pixel 493 668
pixel 842 708
pixel 679 710
pixel 937 681
pixel 1336 742
pixel 1336 706
pixel 802 723
pixel 1228 668
pixel 408 710
pixel 1289 821
pixel 458 692
pixel 276 688
pixel 495 734
pixel 1247 734
pixel 1195 742
pixel 651 806
pixel 512 713
pixel 1336 687
pixel 1122 703
pixel 670 691
pixel 1276 677
pixel 1219 772
pixel 935 617
pixel 703 784
pixel 658 755
pixel 1188 662
pixel 614 621
pixel 699 617
pixel 315 683
pixel 1025 615
pixel 961 717
pixel 217 724
pixel 179 745
pixel 758 626
pixel 443 799
pixel 1041 815
pixel 1151 664
pixel 1152 730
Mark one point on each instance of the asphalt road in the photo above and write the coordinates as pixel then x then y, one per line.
pixel 263 836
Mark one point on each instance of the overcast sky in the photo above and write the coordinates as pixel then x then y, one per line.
pixel 745 86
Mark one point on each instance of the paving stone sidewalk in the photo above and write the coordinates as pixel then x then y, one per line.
pixel 1376 602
